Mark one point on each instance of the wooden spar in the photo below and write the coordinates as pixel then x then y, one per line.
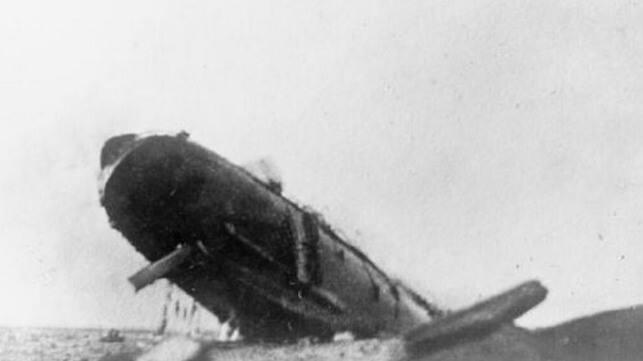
pixel 476 321
pixel 160 268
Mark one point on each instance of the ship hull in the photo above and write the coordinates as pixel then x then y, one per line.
pixel 257 258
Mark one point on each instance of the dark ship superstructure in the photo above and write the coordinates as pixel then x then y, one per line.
pixel 242 250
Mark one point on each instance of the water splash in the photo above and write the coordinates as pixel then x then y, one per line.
pixel 182 315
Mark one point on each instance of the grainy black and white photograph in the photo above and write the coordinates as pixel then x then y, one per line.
pixel 321 180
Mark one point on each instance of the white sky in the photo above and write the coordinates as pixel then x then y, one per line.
pixel 473 144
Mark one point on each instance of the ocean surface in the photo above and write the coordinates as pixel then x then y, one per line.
pixel 180 316
pixel 68 344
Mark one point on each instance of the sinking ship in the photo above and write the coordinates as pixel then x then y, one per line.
pixel 245 252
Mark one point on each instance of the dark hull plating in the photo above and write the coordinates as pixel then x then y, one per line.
pixel 277 269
